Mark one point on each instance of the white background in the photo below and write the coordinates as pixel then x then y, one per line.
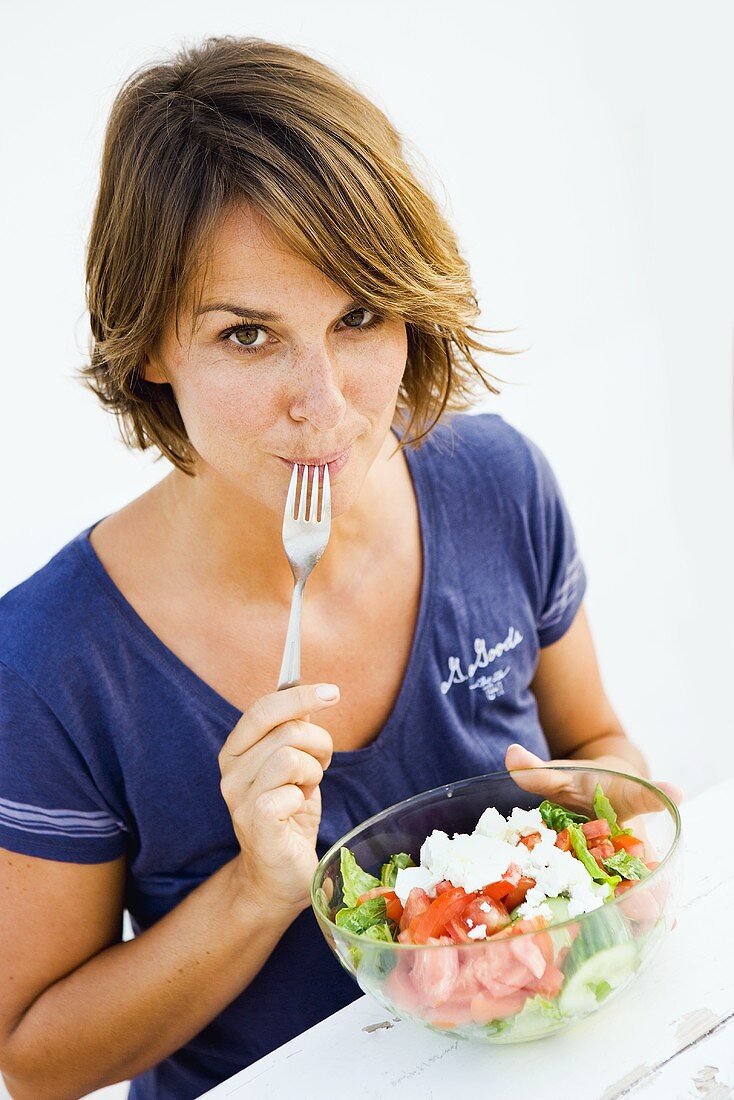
pixel 584 154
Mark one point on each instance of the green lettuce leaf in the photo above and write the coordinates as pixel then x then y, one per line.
pixel 604 809
pixel 580 847
pixel 355 881
pixel 381 932
pixel 359 918
pixel 394 864
pixel 558 817
pixel 631 867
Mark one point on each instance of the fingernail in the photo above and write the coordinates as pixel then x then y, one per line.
pixel 327 692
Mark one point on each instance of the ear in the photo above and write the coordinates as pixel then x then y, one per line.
pixel 152 370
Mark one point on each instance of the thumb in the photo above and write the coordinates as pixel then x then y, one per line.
pixel 517 756
pixel 674 793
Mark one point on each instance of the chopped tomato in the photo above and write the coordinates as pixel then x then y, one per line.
pixel 394 909
pixel 485 1007
pixel 530 840
pixel 458 929
pixel 434 919
pixel 549 984
pixel 444 886
pixel 603 850
pixel 517 894
pixel 400 988
pixel 630 844
pixel 546 945
pixel 530 924
pixel 639 905
pixel 529 954
pixel 485 910
pixel 597 829
pixel 560 957
pixel 563 840
pixel 499 971
pixel 497 890
pixel 416 902
pixel 450 1014
pixel 435 973
pixel 500 889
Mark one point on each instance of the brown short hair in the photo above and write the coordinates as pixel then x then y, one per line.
pixel 243 120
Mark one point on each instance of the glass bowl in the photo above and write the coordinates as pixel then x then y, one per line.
pixel 531 984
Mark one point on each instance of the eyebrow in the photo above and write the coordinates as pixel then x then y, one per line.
pixel 262 315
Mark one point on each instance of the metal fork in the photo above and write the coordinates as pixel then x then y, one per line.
pixel 304 540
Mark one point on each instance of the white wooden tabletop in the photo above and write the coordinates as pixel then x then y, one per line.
pixel 669 1036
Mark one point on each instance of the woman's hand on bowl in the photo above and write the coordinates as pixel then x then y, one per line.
pixel 575 790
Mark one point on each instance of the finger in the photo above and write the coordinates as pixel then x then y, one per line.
pixel 240 772
pixel 272 710
pixel 674 793
pixel 278 805
pixel 284 766
pixel 299 735
pixel 574 785
pixel 551 785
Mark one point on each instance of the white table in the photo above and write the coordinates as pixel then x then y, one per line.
pixel 670 1036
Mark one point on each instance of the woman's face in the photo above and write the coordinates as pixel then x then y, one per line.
pixel 280 367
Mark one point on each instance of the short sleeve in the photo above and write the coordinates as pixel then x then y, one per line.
pixel 49 804
pixel 561 573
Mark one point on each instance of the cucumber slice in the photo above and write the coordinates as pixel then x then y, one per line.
pixel 594 979
pixel 559 909
pixel 539 1016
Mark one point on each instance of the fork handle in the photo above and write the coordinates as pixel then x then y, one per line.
pixel 290 668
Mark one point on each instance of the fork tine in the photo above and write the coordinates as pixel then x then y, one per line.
pixel 314 493
pixel 290 500
pixel 326 497
pixel 302 502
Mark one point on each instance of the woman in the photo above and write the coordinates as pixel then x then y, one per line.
pixel 268 284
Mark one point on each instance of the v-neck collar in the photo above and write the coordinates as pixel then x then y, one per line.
pixel 225 711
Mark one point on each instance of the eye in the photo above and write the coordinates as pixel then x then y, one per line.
pixel 348 318
pixel 245 336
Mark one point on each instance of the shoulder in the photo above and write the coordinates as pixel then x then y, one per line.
pixel 45 619
pixel 484 451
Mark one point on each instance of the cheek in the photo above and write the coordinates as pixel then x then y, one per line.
pixel 374 384
pixel 228 403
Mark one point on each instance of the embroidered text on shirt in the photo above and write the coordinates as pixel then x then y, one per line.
pixel 483 656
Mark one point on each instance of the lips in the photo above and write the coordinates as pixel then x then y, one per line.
pixel 335 462
pixel 322 461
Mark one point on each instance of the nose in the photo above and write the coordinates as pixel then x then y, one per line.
pixel 316 395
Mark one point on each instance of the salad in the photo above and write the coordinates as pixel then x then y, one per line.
pixel 534 871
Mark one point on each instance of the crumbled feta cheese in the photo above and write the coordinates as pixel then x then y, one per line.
pixel 485 907
pixel 470 922
pixel 435 848
pixel 472 860
pixel 491 823
pixel 478 933
pixel 469 859
pixel 525 821
pixel 528 910
pixel 408 877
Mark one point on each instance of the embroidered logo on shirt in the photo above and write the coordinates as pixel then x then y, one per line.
pixel 491 685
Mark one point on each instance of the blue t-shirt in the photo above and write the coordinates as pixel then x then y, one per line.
pixel 109 742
